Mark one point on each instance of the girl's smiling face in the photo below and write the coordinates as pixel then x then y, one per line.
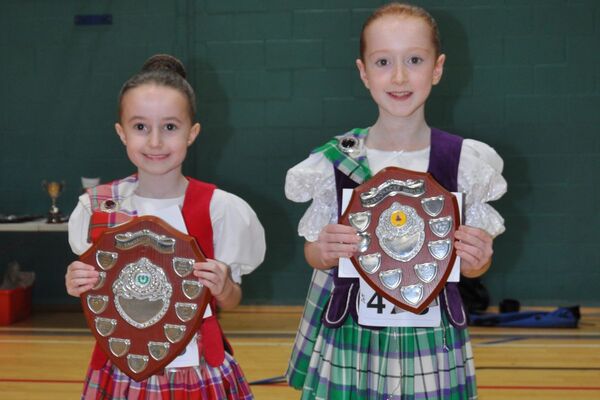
pixel 156 128
pixel 400 65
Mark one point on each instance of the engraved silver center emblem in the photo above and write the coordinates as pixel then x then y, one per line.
pixel 142 293
pixel 401 232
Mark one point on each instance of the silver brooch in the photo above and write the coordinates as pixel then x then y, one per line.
pixel 349 145
pixel 109 206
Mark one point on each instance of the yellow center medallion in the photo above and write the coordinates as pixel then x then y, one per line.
pixel 398 218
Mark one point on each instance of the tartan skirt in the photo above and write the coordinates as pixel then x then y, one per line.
pixel 191 383
pixel 396 363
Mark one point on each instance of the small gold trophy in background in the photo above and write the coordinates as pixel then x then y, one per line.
pixel 54 189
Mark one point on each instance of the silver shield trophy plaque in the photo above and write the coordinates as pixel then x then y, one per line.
pixel 406 222
pixel 147 305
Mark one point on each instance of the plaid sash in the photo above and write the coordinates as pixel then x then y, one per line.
pixel 356 168
pixel 111 205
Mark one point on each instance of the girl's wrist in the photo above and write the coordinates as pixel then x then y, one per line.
pixel 477 272
pixel 329 263
pixel 226 291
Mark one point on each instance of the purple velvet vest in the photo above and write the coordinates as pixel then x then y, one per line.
pixel 444 156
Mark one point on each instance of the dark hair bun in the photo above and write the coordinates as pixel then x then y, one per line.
pixel 164 62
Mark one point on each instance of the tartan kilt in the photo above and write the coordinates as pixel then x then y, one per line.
pixel 191 383
pixel 395 363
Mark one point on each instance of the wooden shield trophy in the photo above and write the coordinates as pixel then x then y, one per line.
pixel 406 222
pixel 147 304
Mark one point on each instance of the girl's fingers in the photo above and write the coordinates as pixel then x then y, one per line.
pixel 339 228
pixel 81 270
pixel 80 278
pixel 77 291
pixel 473 246
pixel 341 248
pixel 211 267
pixel 82 274
pixel 85 274
pixel 205 280
pixel 467 257
pixel 336 241
pixel 211 274
pixel 211 281
pixel 341 238
pixel 336 250
pixel 78 265
pixel 336 233
pixel 77 287
pixel 76 282
pixel 206 275
pixel 342 255
pixel 474 236
pixel 474 251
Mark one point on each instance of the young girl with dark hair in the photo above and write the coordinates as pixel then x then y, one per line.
pixel 157 124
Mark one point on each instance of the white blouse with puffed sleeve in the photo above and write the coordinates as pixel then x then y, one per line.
pixel 238 236
pixel 479 177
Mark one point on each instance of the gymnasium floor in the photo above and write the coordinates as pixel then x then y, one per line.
pixel 45 357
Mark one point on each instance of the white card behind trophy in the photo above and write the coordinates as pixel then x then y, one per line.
pixel 455 273
pixel 374 310
pixel 172 215
pixel 345 267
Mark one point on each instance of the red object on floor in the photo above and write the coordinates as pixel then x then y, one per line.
pixel 15 305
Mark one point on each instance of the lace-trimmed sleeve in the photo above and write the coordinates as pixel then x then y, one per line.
pixel 480 177
pixel 313 179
